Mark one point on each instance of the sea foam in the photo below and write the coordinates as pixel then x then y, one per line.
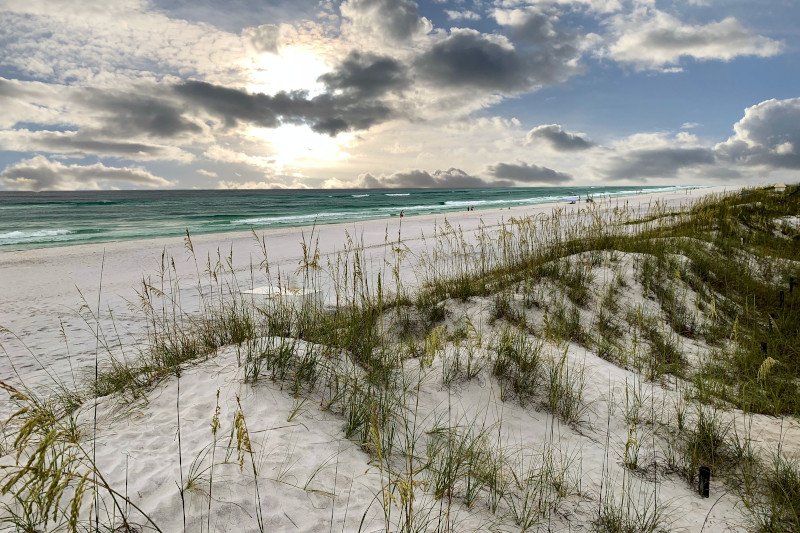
pixel 41 235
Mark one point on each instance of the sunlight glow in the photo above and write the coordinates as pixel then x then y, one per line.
pixel 293 68
pixel 298 144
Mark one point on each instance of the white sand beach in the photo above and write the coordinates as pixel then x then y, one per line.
pixel 298 470
pixel 43 288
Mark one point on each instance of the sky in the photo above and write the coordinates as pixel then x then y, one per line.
pixel 202 94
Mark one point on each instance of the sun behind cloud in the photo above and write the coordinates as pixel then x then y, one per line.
pixel 293 68
pixel 299 146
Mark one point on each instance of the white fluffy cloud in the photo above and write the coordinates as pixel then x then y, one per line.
pixel 466 14
pixel 652 39
pixel 384 22
pixel 103 43
pixel 558 138
pixel 39 173
pixel 768 134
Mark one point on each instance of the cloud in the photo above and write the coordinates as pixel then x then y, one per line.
pixel 325 113
pixel 126 113
pixel 600 6
pixel 148 109
pixel 528 173
pixel 548 52
pixel 394 21
pixel 662 162
pixel 75 143
pixel 254 185
pixel 468 58
pixel 652 39
pixel 559 139
pixel 180 112
pixel 39 173
pixel 767 134
pixel 461 15
pixel 367 75
pixel 100 44
pixel 264 38
pixel 226 155
pixel 532 24
pixel 442 179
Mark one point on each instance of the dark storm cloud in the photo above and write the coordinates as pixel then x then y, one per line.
pixel 559 139
pixel 468 58
pixel 453 178
pixel 326 113
pixel 528 173
pixel 129 114
pixel 176 112
pixel 367 75
pixel 657 162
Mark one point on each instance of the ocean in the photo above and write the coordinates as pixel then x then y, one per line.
pixel 35 220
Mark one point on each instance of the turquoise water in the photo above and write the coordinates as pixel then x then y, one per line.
pixel 35 220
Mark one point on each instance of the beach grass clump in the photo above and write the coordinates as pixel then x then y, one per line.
pixel 461 363
pixel 503 308
pixel 573 275
pixel 461 462
pixel 707 443
pixel 54 478
pixel 770 491
pixel 609 337
pixel 663 355
pixel 169 346
pixel 283 360
pixel 566 386
pixel 518 364
pixel 781 509
pixel 542 480
pixel 562 323
pixel 622 515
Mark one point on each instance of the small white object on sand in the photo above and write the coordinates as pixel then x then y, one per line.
pixel 292 296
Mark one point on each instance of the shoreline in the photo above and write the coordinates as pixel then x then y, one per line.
pixel 409 221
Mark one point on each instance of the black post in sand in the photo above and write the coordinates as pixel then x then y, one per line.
pixel 791 284
pixel 704 481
